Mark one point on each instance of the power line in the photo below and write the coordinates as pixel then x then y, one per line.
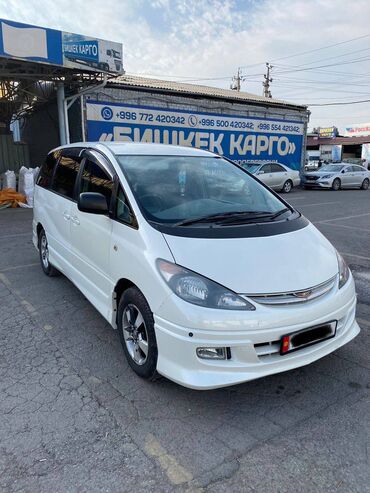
pixel 322 48
pixel 341 103
pixel 309 51
pixel 357 60
pixel 331 57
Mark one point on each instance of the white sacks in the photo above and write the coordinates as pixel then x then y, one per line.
pixel 26 183
pixel 9 180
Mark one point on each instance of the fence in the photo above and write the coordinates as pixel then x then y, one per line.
pixel 13 155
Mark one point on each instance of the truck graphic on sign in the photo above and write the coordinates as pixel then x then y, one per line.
pixel 94 53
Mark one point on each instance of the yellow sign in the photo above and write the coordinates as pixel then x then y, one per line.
pixel 328 132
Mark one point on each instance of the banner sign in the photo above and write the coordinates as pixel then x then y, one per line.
pixel 328 132
pixel 365 152
pixel 357 130
pixel 242 139
pixel 43 45
pixel 336 153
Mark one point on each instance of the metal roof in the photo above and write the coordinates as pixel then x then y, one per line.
pixel 349 141
pixel 199 90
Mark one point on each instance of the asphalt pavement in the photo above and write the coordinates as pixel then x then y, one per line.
pixel 74 417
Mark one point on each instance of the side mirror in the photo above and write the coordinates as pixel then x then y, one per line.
pixel 343 170
pixel 260 173
pixel 92 202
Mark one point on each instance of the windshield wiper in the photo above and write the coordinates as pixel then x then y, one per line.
pixel 220 216
pixel 278 213
pixel 258 216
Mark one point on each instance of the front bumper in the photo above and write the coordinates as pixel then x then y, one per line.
pixel 253 349
pixel 317 184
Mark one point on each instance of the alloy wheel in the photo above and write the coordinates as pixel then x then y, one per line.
pixel 135 334
pixel 44 250
pixel 336 184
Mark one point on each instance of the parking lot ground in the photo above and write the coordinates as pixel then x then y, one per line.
pixel 74 417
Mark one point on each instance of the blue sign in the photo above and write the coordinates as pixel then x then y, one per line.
pixel 81 49
pixel 242 139
pixel 30 42
pixel 336 153
pixel 43 45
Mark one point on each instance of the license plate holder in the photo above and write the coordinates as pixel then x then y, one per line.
pixel 307 337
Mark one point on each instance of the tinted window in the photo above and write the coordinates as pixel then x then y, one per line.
pixel 275 168
pixel 358 169
pixel 47 169
pixel 266 168
pixel 66 172
pixel 95 179
pixel 123 211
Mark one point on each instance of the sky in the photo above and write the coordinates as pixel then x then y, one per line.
pixel 206 41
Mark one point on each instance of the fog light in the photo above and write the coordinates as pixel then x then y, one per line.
pixel 211 352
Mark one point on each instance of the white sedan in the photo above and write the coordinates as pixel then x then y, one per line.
pixel 337 176
pixel 275 175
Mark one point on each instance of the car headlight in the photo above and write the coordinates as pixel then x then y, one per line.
pixel 199 290
pixel 343 270
pixel 325 176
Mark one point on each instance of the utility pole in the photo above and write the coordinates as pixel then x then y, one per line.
pixel 236 81
pixel 266 82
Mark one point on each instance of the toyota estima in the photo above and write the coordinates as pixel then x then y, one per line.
pixel 210 277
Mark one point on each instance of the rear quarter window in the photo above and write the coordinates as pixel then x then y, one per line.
pixel 47 169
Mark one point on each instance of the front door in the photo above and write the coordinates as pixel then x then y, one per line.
pixel 265 175
pixel 280 175
pixel 346 177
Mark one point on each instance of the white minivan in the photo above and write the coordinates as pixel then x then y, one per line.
pixel 209 276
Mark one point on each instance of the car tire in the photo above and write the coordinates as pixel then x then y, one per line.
pixel 336 184
pixel 46 266
pixel 365 184
pixel 287 187
pixel 137 334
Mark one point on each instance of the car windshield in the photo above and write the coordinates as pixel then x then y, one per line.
pixel 333 168
pixel 175 189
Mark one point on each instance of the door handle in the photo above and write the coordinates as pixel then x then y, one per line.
pixel 75 220
pixel 66 216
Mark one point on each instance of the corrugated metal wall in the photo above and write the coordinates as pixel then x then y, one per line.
pixel 13 155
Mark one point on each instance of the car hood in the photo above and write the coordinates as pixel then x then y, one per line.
pixel 271 264
pixel 319 173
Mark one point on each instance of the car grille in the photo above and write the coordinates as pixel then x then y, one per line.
pixel 264 349
pixel 300 296
pixel 311 178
